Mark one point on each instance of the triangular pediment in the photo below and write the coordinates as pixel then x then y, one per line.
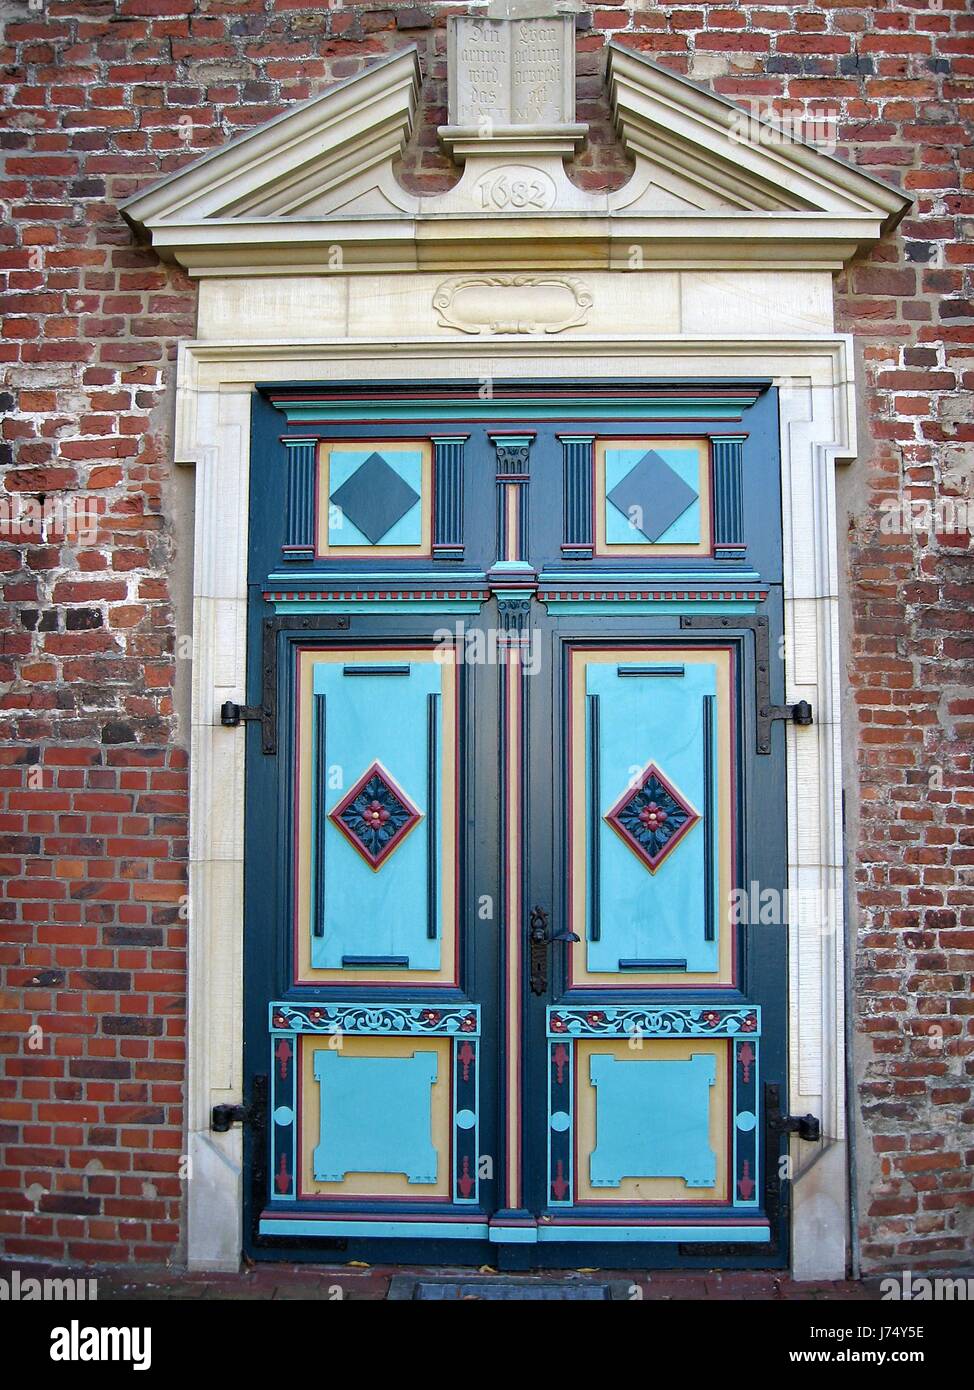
pixel 702 146
pixel 712 185
pixel 284 168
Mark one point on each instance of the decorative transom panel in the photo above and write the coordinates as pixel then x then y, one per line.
pixel 653 818
pixel 374 498
pixel 375 816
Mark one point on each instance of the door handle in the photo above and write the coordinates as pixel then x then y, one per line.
pixel 541 936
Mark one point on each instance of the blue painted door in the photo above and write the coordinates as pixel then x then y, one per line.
pixel 507 793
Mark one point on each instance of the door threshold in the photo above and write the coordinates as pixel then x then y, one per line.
pixel 504 1288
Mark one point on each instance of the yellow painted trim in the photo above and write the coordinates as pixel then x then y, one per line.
pixel 511 502
pixel 649 549
pixel 652 1049
pixel 447 823
pixel 377 1184
pixel 374 552
pixel 688 656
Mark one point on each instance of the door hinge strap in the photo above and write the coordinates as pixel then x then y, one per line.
pixel 798 714
pixel 223 1116
pixel 232 715
pixel 807 1127
pixel 253 1112
pixel 766 712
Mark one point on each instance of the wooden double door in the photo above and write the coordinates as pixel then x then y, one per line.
pixel 510 787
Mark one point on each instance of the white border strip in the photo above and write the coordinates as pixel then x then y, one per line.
pixel 817 407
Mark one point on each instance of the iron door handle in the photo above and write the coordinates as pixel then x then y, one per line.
pixel 541 937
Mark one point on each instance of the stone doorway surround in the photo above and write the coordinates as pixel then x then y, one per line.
pixel 715 260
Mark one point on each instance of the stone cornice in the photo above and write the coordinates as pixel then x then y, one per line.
pixel 587 241
pixel 823 362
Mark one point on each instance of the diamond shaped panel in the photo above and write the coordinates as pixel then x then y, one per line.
pixel 653 818
pixel 652 496
pixel 374 498
pixel 375 816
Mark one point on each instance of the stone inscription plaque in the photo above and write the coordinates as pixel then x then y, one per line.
pixel 511 72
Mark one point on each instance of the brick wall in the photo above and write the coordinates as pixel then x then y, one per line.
pixel 103 96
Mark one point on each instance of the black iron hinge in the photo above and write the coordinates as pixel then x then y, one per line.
pixel 233 715
pixel 800 714
pixel 807 1127
pixel 222 1117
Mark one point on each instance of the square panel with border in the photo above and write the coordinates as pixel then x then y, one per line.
pixel 374 1102
pixel 653 1105
pixel 653 497
pixel 374 499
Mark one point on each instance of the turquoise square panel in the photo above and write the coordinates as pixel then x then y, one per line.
pixel 408 464
pixel 652 1120
pixel 376 1116
pixel 685 530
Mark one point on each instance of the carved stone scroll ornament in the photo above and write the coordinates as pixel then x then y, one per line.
pixel 512 303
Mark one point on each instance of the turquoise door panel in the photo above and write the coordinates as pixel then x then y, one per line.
pixel 376 1116
pixel 652 1120
pixel 651 831
pixel 378 758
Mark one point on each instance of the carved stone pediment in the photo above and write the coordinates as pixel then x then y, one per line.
pixel 313 190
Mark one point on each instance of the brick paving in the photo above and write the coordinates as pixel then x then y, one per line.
pixel 283 1281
